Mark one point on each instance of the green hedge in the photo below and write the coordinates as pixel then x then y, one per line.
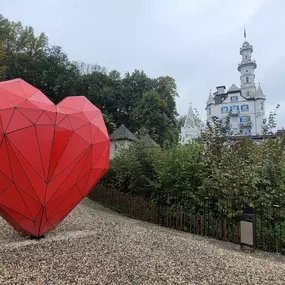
pixel 182 176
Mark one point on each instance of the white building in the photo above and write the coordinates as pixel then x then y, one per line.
pixel 244 105
pixel 121 139
pixel 191 128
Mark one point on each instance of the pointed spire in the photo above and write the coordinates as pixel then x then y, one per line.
pixel 190 119
pixel 244 33
pixel 233 88
pixel 210 99
pixel 259 92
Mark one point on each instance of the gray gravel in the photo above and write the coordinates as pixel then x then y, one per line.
pixel 96 246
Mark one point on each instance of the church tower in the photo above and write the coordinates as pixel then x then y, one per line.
pixel 246 69
pixel 191 128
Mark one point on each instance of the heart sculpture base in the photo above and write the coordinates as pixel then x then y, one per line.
pixel 37 238
pixel 50 156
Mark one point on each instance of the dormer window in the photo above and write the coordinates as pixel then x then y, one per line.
pixel 223 98
pixel 234 98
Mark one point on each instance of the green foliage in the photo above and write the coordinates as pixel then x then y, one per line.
pixel 2 58
pixel 152 114
pixel 122 99
pixel 180 175
pixel 240 170
pixel 134 171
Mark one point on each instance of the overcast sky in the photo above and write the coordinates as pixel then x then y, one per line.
pixel 195 42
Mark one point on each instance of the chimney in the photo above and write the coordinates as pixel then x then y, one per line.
pixel 221 89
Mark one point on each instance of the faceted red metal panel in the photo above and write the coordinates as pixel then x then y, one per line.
pixel 50 156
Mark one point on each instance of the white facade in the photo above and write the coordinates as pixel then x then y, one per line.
pixel 122 138
pixel 191 128
pixel 116 147
pixel 244 105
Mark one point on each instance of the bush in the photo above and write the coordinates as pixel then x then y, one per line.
pixel 166 176
pixel 182 176
pixel 134 171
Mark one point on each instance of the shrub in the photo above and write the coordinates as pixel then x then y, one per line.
pixel 215 165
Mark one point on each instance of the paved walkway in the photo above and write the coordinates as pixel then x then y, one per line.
pixel 97 246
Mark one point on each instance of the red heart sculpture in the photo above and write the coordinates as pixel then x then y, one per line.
pixel 50 156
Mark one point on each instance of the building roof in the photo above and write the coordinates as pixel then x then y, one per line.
pixel 210 99
pixel 148 141
pixel 259 92
pixel 233 88
pixel 123 133
pixel 190 119
pixel 219 98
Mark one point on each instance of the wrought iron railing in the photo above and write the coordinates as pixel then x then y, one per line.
pixel 216 218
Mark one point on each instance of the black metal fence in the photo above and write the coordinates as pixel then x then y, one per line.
pixel 216 218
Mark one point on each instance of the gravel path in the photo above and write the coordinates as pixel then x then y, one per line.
pixel 96 246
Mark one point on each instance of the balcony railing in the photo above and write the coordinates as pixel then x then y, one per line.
pixel 246 124
pixel 234 112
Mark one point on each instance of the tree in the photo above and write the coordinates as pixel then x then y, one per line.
pixel 133 87
pixel 155 111
pixel 166 87
pixel 18 39
pixel 29 57
pixel 122 100
pixel 2 66
pixel 150 116
pixel 85 68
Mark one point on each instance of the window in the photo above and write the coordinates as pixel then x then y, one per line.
pixel 247 79
pixel 224 110
pixel 262 106
pixel 234 98
pixel 246 70
pixel 246 57
pixel 244 108
pixel 234 108
pixel 209 111
pixel 244 119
